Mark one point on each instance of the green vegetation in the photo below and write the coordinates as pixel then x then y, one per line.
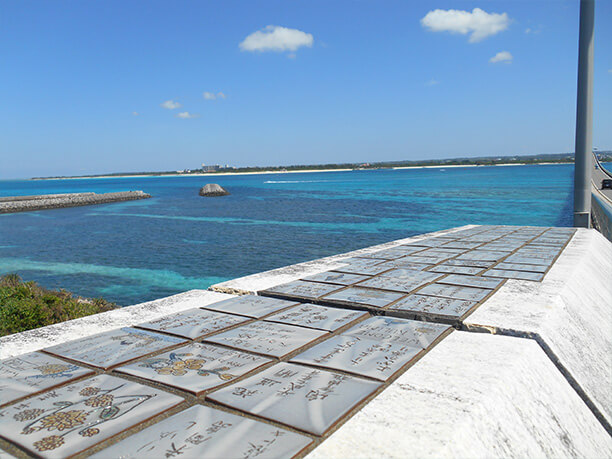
pixel 26 305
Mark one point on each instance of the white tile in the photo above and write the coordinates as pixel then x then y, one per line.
pixel 319 317
pixel 250 306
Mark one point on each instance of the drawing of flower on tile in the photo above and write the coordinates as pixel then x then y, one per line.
pixel 251 306
pixel 109 349
pixel 267 338
pixel 208 433
pixel 34 372
pixel 319 317
pixel 307 399
pixel 73 418
pixel 361 356
pixel 196 368
pixel 193 323
pixel 402 331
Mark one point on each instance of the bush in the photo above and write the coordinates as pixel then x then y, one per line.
pixel 25 305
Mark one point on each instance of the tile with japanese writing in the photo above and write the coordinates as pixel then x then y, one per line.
pixel 473 263
pixel 208 433
pixel 470 281
pixel 250 306
pixel 519 267
pixel 363 266
pixel 529 259
pixel 112 348
pixel 363 296
pixel 461 245
pixel 307 399
pixel 73 418
pixel 435 307
pixel 450 269
pixel 482 255
pixel 195 368
pixel 267 338
pixel 457 292
pixel 394 252
pixel 399 264
pixel 35 372
pixel 302 290
pixel 510 274
pixel 319 317
pixel 193 323
pixel 411 274
pixel 412 333
pixel 331 277
pixel 361 356
pixel 402 284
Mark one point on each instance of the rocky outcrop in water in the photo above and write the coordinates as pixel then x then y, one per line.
pixel 212 190
pixel 56 201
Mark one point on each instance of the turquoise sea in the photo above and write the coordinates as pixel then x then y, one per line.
pixel 141 250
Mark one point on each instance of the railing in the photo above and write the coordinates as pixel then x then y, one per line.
pixel 601 205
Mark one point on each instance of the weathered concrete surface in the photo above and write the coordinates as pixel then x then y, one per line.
pixel 267 279
pixel 32 340
pixel 43 202
pixel 570 312
pixel 474 395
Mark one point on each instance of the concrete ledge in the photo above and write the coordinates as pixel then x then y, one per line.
pixel 261 281
pixel 569 313
pixel 32 340
pixel 474 395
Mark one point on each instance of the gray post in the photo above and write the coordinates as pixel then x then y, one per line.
pixel 584 117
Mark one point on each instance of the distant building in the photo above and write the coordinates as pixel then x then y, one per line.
pixel 212 168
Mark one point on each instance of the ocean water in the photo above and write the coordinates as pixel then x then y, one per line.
pixel 141 250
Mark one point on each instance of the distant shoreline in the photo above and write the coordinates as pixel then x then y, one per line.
pixel 265 172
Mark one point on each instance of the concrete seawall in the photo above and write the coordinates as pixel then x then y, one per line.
pixel 55 201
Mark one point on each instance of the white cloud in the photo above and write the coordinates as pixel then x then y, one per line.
pixel 479 24
pixel 212 96
pixel 276 38
pixel 610 71
pixel 135 113
pixel 170 105
pixel 502 56
pixel 432 82
pixel 187 115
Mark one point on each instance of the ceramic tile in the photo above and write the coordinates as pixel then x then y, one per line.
pixel 357 262
pixel 319 317
pixel 482 255
pixel 403 285
pixel 73 418
pixel 415 259
pixel 305 398
pixel 407 332
pixel 441 252
pixel 430 242
pixel 195 368
pixel 267 338
pixel 518 267
pixel 469 270
pixel 363 296
pixel 361 356
pixel 470 281
pixel 303 290
pixel 436 307
pixel 528 260
pixel 471 263
pixel 5 455
pixel 411 274
pixel 459 293
pixel 364 270
pixel 509 274
pixel 115 347
pixel 193 323
pixel 35 372
pixel 331 277
pixel 250 306
pixel 201 432
pixel 460 245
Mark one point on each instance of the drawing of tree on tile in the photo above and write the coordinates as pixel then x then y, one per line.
pixel 319 317
pixel 267 338
pixel 193 323
pixel 361 356
pixel 203 432
pixel 402 331
pixel 196 368
pixel 34 372
pixel 106 350
pixel 73 418
pixel 307 399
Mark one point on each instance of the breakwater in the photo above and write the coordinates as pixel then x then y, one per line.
pixel 10 204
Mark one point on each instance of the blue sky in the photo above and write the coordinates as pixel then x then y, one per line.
pixel 83 82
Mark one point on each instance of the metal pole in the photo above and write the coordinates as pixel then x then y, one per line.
pixel 584 117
